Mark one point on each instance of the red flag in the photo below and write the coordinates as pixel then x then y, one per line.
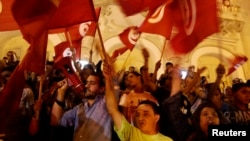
pixel 236 63
pixel 158 21
pixel 79 31
pixel 74 34
pixel 35 58
pixel 131 7
pixel 71 13
pixel 195 20
pixel 7 21
pixel 128 37
pixel 92 27
pixel 65 64
pixel 32 17
pixel 64 49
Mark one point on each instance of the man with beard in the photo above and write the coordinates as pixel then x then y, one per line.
pixel 90 118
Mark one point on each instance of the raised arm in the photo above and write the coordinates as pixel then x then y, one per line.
pixel 111 100
pixel 176 109
pixel 220 71
pixel 57 109
pixel 195 80
pixel 157 67
pixel 145 74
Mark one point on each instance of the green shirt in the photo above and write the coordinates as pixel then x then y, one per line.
pixel 131 133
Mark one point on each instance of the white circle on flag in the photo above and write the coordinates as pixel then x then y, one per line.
pixel 67 52
pixel 133 35
pixel 83 28
pixel 158 15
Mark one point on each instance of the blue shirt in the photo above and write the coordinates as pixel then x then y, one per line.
pixel 91 123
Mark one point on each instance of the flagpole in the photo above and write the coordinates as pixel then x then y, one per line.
pixel 39 95
pixel 163 49
pixel 73 52
pixel 101 41
pixel 71 45
pixel 91 51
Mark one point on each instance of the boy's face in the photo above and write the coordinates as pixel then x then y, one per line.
pixel 146 119
pixel 243 95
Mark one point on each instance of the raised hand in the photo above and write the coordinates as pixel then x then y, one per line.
pixel 220 70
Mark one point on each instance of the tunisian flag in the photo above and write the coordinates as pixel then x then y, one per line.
pixel 128 37
pixel 236 63
pixel 72 12
pixel 158 21
pixel 7 21
pixel 64 49
pixel 195 20
pixel 131 7
pixel 74 34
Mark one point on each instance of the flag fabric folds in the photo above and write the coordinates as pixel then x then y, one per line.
pixel 81 30
pixel 158 21
pixel 131 7
pixel 7 21
pixel 129 38
pixel 195 20
pixel 35 58
pixel 74 35
pixel 33 17
pixel 71 13
pixel 93 25
pixel 64 49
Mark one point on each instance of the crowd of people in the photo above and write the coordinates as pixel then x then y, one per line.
pixel 129 105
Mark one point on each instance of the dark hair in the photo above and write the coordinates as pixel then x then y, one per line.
pixel 8 68
pixel 248 82
pixel 196 115
pixel 238 86
pixel 169 63
pixel 208 87
pixel 123 83
pixel 89 66
pixel 100 76
pixel 141 68
pixel 49 62
pixel 133 67
pixel 154 106
pixel 136 74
